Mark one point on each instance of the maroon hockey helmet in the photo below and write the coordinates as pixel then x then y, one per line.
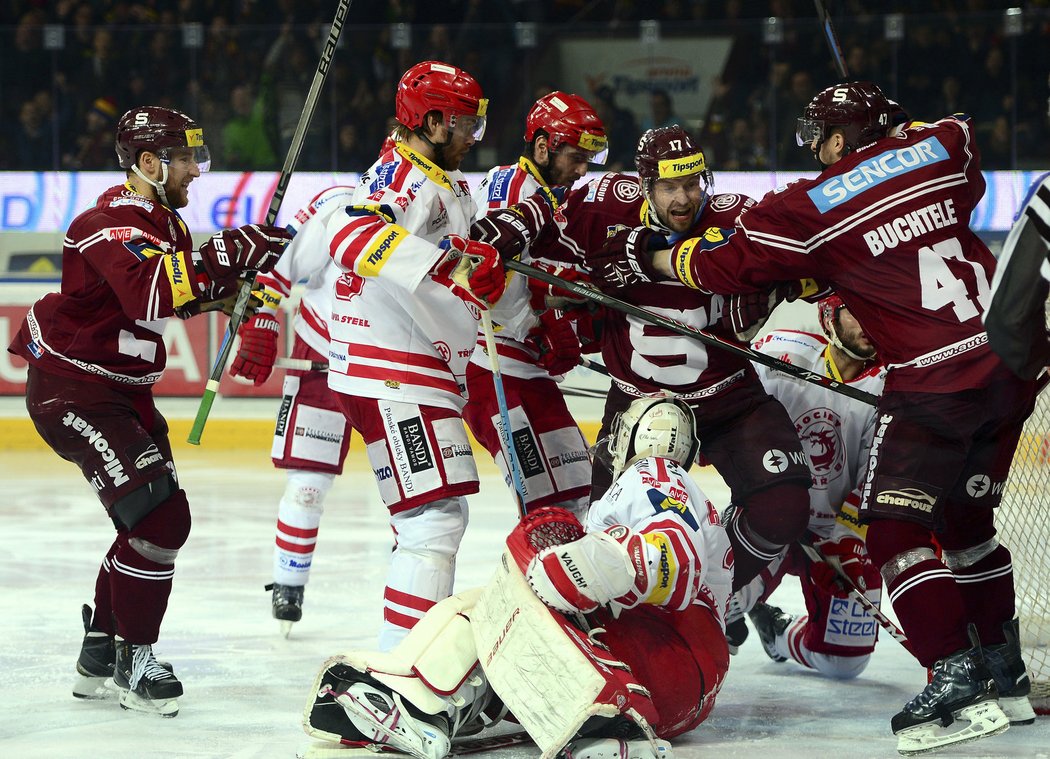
pixel 667 152
pixel 436 86
pixel 158 130
pixel 568 118
pixel 860 109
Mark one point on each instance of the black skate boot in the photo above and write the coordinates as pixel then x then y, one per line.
pixel 736 625
pixel 95 663
pixel 770 622
pixel 145 684
pixel 1011 678
pixel 287 604
pixel 958 705
pixel 352 708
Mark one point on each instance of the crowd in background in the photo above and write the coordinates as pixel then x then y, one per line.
pixel 242 69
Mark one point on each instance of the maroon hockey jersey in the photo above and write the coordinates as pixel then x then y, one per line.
pixel 125 269
pixel 888 227
pixel 641 357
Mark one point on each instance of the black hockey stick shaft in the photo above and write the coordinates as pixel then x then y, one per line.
pixel 240 309
pixel 685 330
pixel 832 39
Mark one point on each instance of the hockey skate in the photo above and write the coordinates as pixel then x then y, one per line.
pixel 617 748
pixel 145 685
pixel 352 708
pixel 736 625
pixel 1011 678
pixel 95 663
pixel 287 605
pixel 770 623
pixel 958 705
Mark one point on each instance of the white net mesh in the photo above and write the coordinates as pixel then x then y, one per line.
pixel 1023 522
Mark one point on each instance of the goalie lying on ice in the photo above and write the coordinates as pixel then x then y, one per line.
pixel 600 643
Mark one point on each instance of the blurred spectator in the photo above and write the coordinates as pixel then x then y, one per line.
pixel 246 143
pixel 661 111
pixel 996 144
pixel 619 125
pixel 742 151
pixel 94 149
pixel 32 143
pixel 352 154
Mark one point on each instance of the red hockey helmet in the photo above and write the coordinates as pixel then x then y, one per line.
pixel 158 130
pixel 667 152
pixel 568 118
pixel 860 109
pixel 436 86
pixel 827 310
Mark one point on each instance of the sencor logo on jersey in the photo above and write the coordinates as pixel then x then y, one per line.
pixel 874 171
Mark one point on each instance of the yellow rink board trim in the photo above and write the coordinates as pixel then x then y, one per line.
pixel 237 434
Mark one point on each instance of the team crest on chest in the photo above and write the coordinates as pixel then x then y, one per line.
pixel 723 202
pixel 820 432
pixel 626 190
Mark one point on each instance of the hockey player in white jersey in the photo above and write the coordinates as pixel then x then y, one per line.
pixel 537 339
pixel 312 436
pixel 601 643
pixel 403 324
pixel 837 635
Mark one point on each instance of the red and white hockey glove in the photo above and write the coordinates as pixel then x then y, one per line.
pixel 556 342
pixel 626 259
pixel 543 296
pixel 598 568
pixel 472 270
pixel 848 556
pixel 258 350
pixel 510 230
pixel 232 252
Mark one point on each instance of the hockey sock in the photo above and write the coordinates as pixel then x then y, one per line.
pixel 298 519
pixel 769 520
pixel 987 589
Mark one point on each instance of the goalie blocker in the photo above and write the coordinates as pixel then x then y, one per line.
pixel 617 686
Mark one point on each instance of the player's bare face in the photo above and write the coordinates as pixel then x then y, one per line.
pixel 568 165
pixel 851 334
pixel 677 201
pixel 457 143
pixel 182 169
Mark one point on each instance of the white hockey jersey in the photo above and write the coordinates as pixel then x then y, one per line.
pixel 396 332
pixel 504 186
pixel 307 258
pixel 835 430
pixel 687 548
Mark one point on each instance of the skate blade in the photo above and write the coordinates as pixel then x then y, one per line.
pixel 979 720
pixel 1017 709
pixel 92 688
pixel 286 627
pixel 134 703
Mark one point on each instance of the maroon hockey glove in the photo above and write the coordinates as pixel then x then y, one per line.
pixel 221 296
pixel 556 342
pixel 258 350
pixel 510 230
pixel 626 259
pixel 472 270
pixel 748 312
pixel 233 252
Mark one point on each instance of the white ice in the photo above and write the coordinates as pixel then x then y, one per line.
pixel 246 686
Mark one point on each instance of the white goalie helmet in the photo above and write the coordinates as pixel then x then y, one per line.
pixel 662 427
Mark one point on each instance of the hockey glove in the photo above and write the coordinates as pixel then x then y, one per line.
pixel 847 557
pixel 748 312
pixel 510 230
pixel 582 575
pixel 221 296
pixel 556 342
pixel 258 351
pixel 626 259
pixel 543 296
pixel 472 270
pixel 233 252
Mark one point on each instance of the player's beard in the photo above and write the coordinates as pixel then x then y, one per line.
pixel 177 194
pixel 854 345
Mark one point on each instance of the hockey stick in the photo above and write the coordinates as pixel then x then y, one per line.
pixel 504 414
pixel 594 366
pixel 832 39
pixel 300 364
pixel 876 613
pixel 211 388
pixel 684 329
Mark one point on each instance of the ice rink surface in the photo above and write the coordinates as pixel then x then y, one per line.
pixel 246 686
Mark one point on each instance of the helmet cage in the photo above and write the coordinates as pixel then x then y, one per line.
pixel 663 427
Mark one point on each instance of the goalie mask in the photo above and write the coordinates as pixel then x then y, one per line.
pixel 663 427
pixel 669 153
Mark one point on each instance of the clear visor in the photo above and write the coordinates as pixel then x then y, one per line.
pixel 466 125
pixel 579 155
pixel 184 157
pixel 601 452
pixel 809 130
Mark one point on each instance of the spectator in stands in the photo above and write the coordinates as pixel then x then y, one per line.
pixel 94 145
pixel 32 143
pixel 246 143
pixel 661 111
pixel 620 125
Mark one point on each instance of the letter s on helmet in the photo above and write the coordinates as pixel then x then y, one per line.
pixel 667 152
pixel 436 86
pixel 860 109
pixel 568 118
pixel 158 130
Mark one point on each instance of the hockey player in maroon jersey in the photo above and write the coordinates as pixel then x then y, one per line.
pixel 94 351
pixel 537 341
pixel 744 433
pixel 886 223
